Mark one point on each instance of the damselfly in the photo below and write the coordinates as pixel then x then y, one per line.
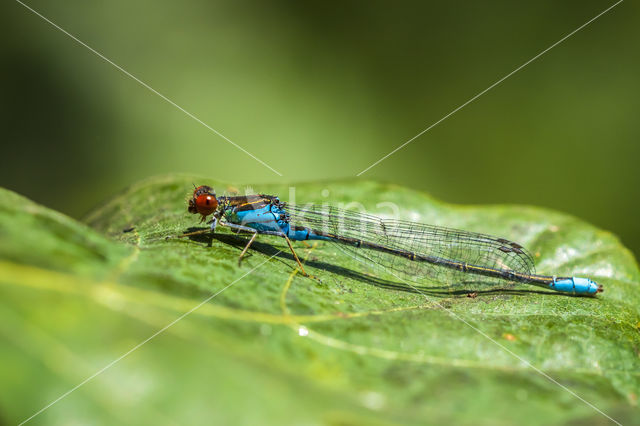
pixel 410 251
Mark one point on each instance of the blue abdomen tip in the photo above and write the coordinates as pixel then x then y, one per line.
pixel 576 285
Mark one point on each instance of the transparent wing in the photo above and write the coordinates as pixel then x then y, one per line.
pixel 424 240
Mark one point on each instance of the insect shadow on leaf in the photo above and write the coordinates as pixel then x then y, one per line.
pixel 460 289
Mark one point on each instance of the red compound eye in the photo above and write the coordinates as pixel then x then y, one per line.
pixel 206 204
pixel 203 202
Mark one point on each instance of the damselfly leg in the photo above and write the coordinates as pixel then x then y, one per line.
pixel 241 228
pixel 254 232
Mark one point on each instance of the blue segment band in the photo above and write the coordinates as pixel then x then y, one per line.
pixel 574 285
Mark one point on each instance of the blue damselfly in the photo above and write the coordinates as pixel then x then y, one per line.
pixel 411 251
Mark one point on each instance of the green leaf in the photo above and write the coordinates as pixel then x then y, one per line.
pixel 274 347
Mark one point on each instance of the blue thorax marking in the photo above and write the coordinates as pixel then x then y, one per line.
pixel 270 218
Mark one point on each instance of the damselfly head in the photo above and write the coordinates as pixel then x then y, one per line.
pixel 203 202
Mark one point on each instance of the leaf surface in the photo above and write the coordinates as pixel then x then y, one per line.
pixel 347 347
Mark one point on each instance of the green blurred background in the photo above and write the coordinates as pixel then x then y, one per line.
pixel 320 91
